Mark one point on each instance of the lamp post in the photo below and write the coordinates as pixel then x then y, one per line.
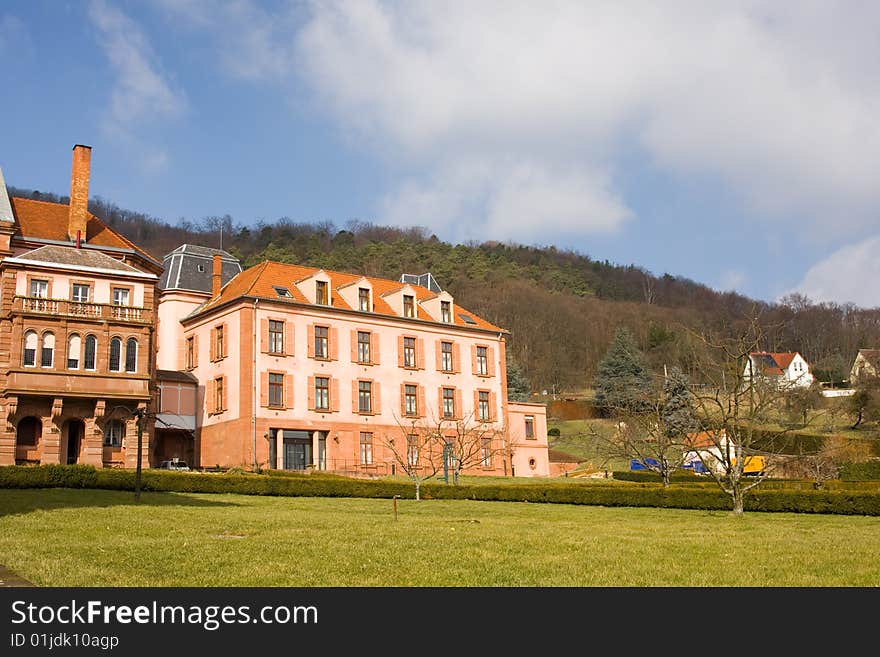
pixel 139 413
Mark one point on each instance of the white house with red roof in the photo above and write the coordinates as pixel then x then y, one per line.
pixel 787 369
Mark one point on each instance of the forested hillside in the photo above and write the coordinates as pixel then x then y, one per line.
pixel 562 307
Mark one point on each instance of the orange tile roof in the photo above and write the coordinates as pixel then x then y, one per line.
pixel 706 439
pixel 258 281
pixel 48 221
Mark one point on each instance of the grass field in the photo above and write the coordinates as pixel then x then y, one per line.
pixel 64 537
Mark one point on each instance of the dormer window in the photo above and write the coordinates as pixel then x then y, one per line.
pixel 321 293
pixel 281 291
pixel 364 299
pixel 446 312
pixel 409 306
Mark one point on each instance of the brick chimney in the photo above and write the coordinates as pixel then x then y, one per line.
pixel 79 193
pixel 216 276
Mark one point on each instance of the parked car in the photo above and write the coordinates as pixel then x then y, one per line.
pixel 174 464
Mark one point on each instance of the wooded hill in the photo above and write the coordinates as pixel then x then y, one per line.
pixel 562 307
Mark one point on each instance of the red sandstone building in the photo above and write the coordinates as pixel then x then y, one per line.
pixel 276 366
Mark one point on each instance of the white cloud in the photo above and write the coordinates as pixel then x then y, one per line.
pixel 777 100
pixel 847 275
pixel 732 280
pixel 142 94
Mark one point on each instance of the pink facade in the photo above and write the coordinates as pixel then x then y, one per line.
pixel 289 383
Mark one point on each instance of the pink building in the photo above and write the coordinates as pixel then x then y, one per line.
pixel 300 368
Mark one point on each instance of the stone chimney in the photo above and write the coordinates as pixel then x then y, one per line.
pixel 217 276
pixel 79 193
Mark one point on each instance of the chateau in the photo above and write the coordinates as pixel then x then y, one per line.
pixel 275 366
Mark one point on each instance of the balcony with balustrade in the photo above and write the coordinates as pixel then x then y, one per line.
pixel 39 306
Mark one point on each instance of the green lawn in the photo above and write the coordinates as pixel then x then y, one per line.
pixel 66 537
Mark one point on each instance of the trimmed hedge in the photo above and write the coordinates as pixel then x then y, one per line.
pixel 653 477
pixel 846 502
pixel 867 471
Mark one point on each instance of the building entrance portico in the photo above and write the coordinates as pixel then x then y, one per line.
pixel 299 449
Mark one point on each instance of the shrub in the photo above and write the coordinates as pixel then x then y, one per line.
pixel 866 471
pixel 553 431
pixel 648 476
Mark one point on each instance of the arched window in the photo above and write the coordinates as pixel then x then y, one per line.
pixel 113 433
pixel 74 345
pixel 47 353
pixel 131 355
pixel 29 359
pixel 28 432
pixel 90 353
pixel 115 355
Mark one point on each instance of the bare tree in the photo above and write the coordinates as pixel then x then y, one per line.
pixel 736 408
pixel 468 442
pixel 416 451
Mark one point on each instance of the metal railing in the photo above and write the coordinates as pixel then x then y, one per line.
pixel 81 309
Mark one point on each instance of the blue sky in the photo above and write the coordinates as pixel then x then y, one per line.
pixel 734 143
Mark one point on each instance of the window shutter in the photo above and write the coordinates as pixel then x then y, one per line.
pixel 456 357
pixel 222 401
pixel 334 395
pixel 354 345
pixel 288 391
pixel 264 388
pixel 264 335
pixel 493 402
pixel 474 369
pixel 195 350
pixel 209 397
pixel 354 396
pixel 288 337
pixel 400 360
pixel 490 357
pixel 311 384
pixel 213 348
pixel 377 403
pixel 311 347
pixel 402 399
pixel 225 341
pixel 477 405
pixel 421 411
pixel 440 402
pixel 334 344
pixel 374 348
pixel 458 410
pixel 438 350
pixel 420 353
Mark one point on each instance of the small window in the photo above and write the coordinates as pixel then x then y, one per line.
pixel 281 291
pixel 412 449
pixel 219 342
pixel 411 405
pixel 201 268
pixel 482 361
pixel 91 352
pixel 276 337
pixel 321 293
pixel 115 355
pixel 40 289
pixel 31 340
pixel 409 307
pixel 530 427
pixel 446 364
pixel 467 319
pixel 365 397
pixel 131 349
pixel 483 406
pixel 219 395
pixel 190 353
pixel 322 342
pixel 276 389
pixel 322 393
pixel 113 433
pixel 79 293
pixel 448 402
pixel 486 452
pixel 364 299
pixel 120 296
pixel 74 345
pixel 445 312
pixel 47 353
pixel 366 448
pixel 363 347
pixel 409 352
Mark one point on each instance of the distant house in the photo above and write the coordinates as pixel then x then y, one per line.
pixel 786 369
pixel 705 451
pixel 866 364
